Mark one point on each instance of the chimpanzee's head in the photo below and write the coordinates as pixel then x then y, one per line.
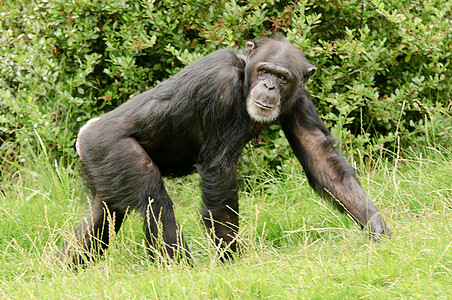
pixel 275 69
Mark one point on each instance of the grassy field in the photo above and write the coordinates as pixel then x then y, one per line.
pixel 295 245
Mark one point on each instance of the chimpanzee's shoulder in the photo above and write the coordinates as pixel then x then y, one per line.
pixel 224 57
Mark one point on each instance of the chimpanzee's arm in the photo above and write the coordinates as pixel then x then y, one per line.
pixel 220 194
pixel 326 170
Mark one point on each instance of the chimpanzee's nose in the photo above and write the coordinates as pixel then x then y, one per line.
pixel 269 86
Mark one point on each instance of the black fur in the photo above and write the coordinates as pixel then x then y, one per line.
pixel 199 120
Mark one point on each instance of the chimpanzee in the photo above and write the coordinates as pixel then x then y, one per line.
pixel 200 120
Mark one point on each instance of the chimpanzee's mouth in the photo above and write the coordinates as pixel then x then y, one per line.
pixel 264 106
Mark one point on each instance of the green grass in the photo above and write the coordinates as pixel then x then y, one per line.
pixel 295 245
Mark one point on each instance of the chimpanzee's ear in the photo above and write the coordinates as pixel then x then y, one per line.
pixel 311 70
pixel 250 46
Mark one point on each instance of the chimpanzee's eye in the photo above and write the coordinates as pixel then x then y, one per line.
pixel 282 77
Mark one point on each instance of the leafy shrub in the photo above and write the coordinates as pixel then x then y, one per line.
pixel 384 67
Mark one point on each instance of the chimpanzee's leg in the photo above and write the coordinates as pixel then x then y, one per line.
pixel 162 231
pixel 122 176
pixel 93 234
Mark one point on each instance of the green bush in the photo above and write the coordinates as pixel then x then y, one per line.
pixel 384 66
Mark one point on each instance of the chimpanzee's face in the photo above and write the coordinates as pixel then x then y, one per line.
pixel 274 71
pixel 264 100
